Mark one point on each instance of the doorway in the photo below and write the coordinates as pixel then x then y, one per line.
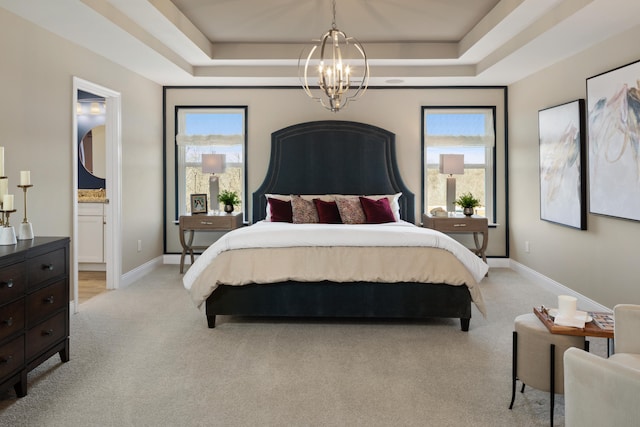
pixel 92 147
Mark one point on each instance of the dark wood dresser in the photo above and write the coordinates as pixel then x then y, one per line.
pixel 34 307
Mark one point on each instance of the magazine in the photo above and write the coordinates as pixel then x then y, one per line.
pixel 603 320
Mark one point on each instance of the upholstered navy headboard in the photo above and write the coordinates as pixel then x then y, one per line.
pixel 333 157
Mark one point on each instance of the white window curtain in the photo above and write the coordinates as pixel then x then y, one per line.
pixel 465 137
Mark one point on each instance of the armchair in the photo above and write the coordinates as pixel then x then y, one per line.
pixel 602 391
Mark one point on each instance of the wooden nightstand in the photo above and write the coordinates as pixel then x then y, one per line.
pixel 462 224
pixel 200 222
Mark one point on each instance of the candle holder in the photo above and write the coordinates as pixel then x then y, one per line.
pixel 7 233
pixel 25 231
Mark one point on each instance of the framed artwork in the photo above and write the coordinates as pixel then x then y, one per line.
pixel 613 104
pixel 561 130
pixel 198 204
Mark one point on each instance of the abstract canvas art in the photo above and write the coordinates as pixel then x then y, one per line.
pixel 613 103
pixel 562 183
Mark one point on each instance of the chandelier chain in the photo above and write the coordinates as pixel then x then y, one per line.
pixel 333 22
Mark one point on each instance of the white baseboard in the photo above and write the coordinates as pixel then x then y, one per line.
pixel 551 285
pixel 92 266
pixel 138 272
pixel 499 262
pixel 175 259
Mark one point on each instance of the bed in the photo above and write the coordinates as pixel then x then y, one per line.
pixel 328 158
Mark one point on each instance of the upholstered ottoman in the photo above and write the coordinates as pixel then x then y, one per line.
pixel 537 357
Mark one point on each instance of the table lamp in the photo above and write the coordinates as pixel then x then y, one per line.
pixel 213 164
pixel 451 164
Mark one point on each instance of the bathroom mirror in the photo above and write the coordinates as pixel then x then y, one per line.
pixel 92 152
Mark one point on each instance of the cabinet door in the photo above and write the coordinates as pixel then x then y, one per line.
pixel 90 238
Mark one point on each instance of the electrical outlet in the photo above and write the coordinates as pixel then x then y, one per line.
pixel 526 246
pixel 140 246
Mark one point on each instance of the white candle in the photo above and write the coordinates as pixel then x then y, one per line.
pixel 4 188
pixel 7 202
pixel 25 177
pixel 1 161
pixel 567 305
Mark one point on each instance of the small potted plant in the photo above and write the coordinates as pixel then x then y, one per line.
pixel 228 199
pixel 467 202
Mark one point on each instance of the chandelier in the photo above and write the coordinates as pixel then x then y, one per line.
pixel 340 65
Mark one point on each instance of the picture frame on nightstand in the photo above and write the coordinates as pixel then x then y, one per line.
pixel 198 204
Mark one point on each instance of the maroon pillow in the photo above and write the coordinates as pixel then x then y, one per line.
pixel 327 212
pixel 377 211
pixel 280 210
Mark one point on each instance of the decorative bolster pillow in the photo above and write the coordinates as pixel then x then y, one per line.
pixel 377 211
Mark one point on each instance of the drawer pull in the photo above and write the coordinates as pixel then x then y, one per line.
pixel 47 333
pixel 459 225
pixel 8 284
pixel 206 222
pixel 48 300
pixel 48 267
pixel 8 322
pixel 6 360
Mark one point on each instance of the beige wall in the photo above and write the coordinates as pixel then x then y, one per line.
pixel 397 110
pixel 601 262
pixel 37 69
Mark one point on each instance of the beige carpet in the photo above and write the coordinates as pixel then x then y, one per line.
pixel 143 356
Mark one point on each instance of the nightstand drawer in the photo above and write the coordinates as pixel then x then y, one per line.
pixel 46 334
pixel 11 319
pixel 46 267
pixel 461 224
pixel 46 301
pixel 211 222
pixel 12 356
pixel 456 224
pixel 13 281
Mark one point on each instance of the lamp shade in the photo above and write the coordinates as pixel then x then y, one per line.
pixel 452 163
pixel 213 163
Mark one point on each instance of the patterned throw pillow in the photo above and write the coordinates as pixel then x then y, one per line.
pixel 304 211
pixel 350 210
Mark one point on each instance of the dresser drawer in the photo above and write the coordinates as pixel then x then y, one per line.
pixel 46 267
pixel 11 318
pixel 46 301
pixel 46 334
pixel 13 279
pixel 12 356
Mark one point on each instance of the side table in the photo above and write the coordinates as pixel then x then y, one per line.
pixel 462 224
pixel 201 222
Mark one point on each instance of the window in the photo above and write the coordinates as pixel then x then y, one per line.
pixel 459 130
pixel 210 130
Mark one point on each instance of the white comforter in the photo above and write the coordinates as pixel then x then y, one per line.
pixel 280 235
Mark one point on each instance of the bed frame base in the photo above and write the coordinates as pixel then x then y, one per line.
pixel 328 299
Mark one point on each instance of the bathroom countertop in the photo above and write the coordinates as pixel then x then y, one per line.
pixel 92 196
